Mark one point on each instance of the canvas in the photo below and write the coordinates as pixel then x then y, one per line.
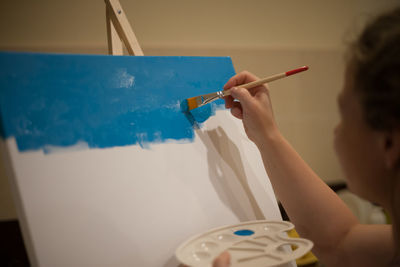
pixel 105 168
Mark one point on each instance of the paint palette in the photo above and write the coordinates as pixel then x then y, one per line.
pixel 250 244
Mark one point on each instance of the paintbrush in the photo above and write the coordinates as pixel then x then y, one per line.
pixel 201 100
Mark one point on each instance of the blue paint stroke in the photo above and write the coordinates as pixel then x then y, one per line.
pixel 198 115
pixel 56 100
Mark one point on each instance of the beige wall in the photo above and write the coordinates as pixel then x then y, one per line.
pixel 263 37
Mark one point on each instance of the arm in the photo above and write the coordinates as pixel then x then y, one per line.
pixel 318 213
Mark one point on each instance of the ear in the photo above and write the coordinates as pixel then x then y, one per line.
pixel 391 148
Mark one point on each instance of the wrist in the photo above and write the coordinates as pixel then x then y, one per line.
pixel 268 137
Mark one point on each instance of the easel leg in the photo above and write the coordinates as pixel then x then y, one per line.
pixel 114 42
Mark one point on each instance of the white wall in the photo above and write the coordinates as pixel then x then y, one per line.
pixel 221 23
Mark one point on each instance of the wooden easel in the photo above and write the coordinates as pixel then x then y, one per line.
pixel 119 30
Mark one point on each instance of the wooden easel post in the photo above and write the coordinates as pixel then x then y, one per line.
pixel 118 28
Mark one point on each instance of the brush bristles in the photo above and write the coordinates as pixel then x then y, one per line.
pixel 192 103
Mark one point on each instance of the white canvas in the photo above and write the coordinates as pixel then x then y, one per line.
pixel 129 206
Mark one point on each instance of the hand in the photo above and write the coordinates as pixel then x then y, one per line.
pixel 223 260
pixel 253 107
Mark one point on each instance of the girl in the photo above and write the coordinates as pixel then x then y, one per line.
pixel 367 141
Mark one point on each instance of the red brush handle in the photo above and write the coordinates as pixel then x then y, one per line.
pixel 268 79
pixel 291 72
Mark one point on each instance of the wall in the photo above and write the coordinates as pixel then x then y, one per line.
pixel 263 37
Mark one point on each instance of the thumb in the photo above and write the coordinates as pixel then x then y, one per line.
pixel 243 95
pixel 223 260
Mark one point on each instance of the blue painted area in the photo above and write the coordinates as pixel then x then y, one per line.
pixel 244 232
pixel 104 101
pixel 184 106
pixel 198 115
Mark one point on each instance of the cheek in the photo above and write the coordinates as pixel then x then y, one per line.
pixel 358 158
pixel 339 140
pixel 346 152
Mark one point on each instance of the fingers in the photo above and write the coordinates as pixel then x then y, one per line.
pixel 223 260
pixel 228 101
pixel 243 95
pixel 237 110
pixel 240 78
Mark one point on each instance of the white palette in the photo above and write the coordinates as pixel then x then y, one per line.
pixel 250 244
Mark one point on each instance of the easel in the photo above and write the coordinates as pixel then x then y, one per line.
pixel 119 30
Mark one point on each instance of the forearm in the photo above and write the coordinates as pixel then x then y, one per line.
pixel 318 213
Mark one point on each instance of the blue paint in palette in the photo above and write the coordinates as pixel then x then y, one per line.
pixel 244 232
pixel 104 101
